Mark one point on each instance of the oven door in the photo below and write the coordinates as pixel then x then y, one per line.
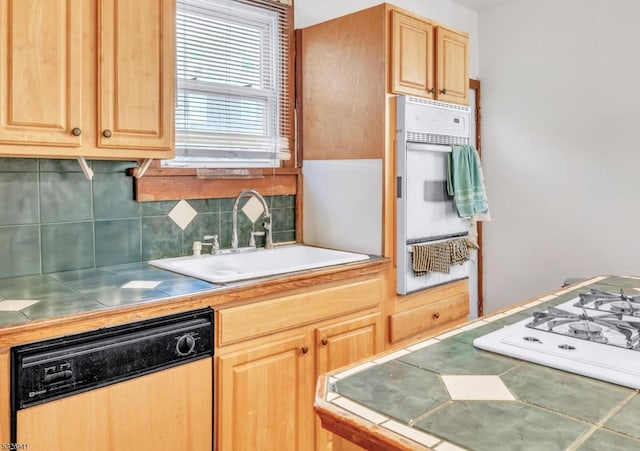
pixel 425 212
pixel 429 211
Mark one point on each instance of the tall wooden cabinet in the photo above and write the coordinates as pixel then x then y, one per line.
pixel 91 78
pixel 350 70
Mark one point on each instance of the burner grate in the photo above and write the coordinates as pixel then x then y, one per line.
pixel 608 328
pixel 573 336
pixel 608 302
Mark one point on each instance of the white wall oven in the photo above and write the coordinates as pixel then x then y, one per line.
pixel 426 213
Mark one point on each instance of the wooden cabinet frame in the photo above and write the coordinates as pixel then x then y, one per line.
pixel 41 73
pixel 73 72
pixel 412 55
pixel 427 59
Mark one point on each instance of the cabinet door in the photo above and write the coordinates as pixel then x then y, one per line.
pixel 453 68
pixel 412 56
pixel 265 396
pixel 41 72
pixel 136 74
pixel 343 343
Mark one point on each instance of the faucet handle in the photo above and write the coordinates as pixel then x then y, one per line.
pixel 215 244
pixel 252 240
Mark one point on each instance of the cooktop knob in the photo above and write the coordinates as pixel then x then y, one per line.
pixel 186 345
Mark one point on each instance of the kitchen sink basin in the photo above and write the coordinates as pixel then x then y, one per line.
pixel 229 266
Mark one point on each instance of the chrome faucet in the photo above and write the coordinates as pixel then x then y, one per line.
pixel 266 216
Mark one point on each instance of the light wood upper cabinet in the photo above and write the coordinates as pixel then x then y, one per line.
pixel 135 87
pixel 453 66
pixel 413 55
pixel 91 78
pixel 427 60
pixel 41 72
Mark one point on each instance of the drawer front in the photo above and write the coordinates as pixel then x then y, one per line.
pixel 431 295
pixel 428 317
pixel 264 317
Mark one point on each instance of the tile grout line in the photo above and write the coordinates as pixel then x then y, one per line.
pixel 38 186
pixel 93 221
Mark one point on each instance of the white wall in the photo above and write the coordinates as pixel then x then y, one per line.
pixel 310 12
pixel 561 160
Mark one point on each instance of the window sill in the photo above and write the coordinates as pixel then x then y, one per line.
pixel 159 184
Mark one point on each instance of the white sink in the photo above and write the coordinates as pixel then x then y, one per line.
pixel 231 267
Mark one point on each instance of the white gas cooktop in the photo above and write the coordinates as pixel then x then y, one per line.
pixel 596 334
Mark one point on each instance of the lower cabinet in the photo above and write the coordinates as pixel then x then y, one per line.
pixel 265 396
pixel 430 311
pixel 340 344
pixel 265 386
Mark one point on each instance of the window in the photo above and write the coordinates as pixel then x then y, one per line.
pixel 232 96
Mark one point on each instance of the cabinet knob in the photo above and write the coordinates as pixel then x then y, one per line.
pixel 76 131
pixel 305 349
pixel 324 341
pixel 443 91
pixel 432 91
pixel 436 315
pixel 107 133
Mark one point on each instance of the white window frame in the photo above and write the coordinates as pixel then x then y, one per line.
pixel 226 149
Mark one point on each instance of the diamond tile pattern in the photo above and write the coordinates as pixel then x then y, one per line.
pixel 141 284
pixel 182 214
pixel 253 209
pixel 15 306
pixel 485 388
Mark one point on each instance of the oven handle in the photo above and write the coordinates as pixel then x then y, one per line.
pixel 423 147
pixel 433 239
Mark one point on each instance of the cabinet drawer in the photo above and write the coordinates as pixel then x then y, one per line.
pixel 264 317
pixel 434 315
pixel 431 295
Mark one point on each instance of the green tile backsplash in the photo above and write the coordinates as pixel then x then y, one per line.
pixel 22 206
pixel 53 219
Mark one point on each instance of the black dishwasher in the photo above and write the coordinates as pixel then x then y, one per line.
pixel 51 370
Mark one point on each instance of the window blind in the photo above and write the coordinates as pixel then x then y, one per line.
pixel 232 70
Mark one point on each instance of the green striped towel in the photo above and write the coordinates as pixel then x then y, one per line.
pixel 465 181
